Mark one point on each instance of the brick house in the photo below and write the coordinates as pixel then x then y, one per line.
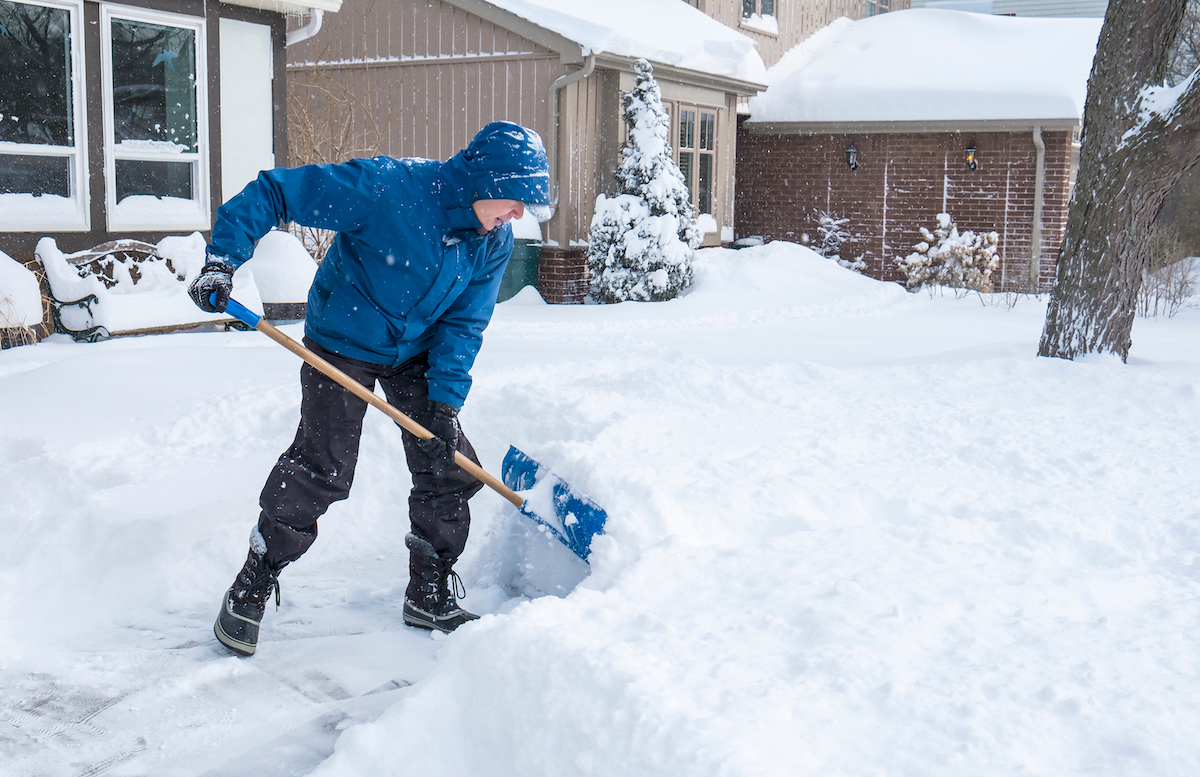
pixel 419 77
pixel 992 141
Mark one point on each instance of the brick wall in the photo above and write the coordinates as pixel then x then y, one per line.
pixel 902 182
pixel 562 275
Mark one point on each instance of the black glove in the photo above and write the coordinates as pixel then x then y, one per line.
pixel 215 278
pixel 442 420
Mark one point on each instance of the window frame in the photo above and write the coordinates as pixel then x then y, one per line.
pixel 199 217
pixel 677 111
pixel 758 8
pixel 76 154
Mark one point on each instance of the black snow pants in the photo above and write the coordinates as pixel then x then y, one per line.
pixel 318 468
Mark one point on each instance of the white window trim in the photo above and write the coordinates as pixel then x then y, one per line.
pixel 79 218
pixel 193 218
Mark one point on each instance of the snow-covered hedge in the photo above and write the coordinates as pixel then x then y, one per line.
pixel 643 239
pixel 946 257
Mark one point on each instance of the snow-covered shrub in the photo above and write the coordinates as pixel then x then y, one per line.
pixel 947 258
pixel 642 240
pixel 833 235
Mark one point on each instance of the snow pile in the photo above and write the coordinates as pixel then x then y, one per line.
pixel 20 296
pixel 641 241
pixel 282 269
pixel 934 65
pixel 664 31
pixel 852 531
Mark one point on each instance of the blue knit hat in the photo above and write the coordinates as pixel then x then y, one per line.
pixel 508 162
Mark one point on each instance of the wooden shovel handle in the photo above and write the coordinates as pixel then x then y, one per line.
pixel 360 391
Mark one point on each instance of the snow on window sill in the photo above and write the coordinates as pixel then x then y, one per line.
pixel 768 25
pixel 151 147
pixel 41 213
pixel 146 212
pixel 707 223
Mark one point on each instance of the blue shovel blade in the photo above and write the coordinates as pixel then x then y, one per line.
pixel 575 519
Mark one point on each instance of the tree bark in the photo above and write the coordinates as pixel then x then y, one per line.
pixel 1130 159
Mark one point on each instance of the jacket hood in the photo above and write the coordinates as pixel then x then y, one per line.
pixel 505 161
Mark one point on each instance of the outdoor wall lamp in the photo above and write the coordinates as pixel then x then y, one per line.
pixel 852 157
pixel 972 163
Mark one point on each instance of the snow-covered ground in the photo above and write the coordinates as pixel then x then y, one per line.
pixel 852 531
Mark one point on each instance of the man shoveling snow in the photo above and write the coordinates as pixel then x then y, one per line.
pixel 402 299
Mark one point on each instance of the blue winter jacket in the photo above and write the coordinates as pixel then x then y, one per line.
pixel 408 271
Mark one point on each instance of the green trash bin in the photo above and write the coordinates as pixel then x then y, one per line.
pixel 522 268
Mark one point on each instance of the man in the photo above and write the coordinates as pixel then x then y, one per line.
pixel 402 298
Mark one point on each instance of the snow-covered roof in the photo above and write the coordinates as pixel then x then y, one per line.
pixel 924 65
pixel 669 32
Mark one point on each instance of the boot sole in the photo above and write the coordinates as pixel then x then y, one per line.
pixel 241 648
pixel 414 616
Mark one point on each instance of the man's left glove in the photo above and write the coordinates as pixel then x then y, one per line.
pixel 215 278
pixel 442 420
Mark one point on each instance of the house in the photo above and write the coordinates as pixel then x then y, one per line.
pixel 891 120
pixel 420 77
pixel 134 121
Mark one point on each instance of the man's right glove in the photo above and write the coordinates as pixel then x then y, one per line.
pixel 442 420
pixel 215 278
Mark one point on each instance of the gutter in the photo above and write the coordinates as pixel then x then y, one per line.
pixel 315 16
pixel 589 66
pixel 1039 186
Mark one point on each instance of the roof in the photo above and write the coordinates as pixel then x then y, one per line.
pixel 668 32
pixel 924 66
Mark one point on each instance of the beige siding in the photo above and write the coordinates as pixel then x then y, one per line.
pixel 420 77
pixel 415 78
pixel 797 19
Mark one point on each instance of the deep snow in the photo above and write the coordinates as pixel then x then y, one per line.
pixel 852 531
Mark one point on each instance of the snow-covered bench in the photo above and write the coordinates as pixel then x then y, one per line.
pixel 129 287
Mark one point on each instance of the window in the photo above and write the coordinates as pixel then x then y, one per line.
pixel 42 139
pixel 156 158
pixel 752 8
pixel 697 143
pixel 875 7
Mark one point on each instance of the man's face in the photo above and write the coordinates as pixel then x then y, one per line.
pixel 493 213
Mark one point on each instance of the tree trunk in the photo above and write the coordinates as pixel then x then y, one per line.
pixel 1131 157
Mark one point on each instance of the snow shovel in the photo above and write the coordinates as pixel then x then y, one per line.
pixel 571 518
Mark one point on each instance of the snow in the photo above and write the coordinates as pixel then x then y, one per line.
pixel 47 211
pixel 158 297
pixel 852 531
pixel 663 31
pixel 282 269
pixel 20 296
pixel 934 65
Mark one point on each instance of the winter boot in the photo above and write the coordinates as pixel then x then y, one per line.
pixel 237 624
pixel 429 602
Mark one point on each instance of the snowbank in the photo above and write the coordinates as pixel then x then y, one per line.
pixel 282 269
pixel 852 531
pixel 933 65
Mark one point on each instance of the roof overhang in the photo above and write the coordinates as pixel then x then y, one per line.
pixel 289 6
pixel 569 51
pixel 888 127
pixel 684 76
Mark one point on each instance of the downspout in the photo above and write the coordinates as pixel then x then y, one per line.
pixel 1039 185
pixel 589 65
pixel 315 16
